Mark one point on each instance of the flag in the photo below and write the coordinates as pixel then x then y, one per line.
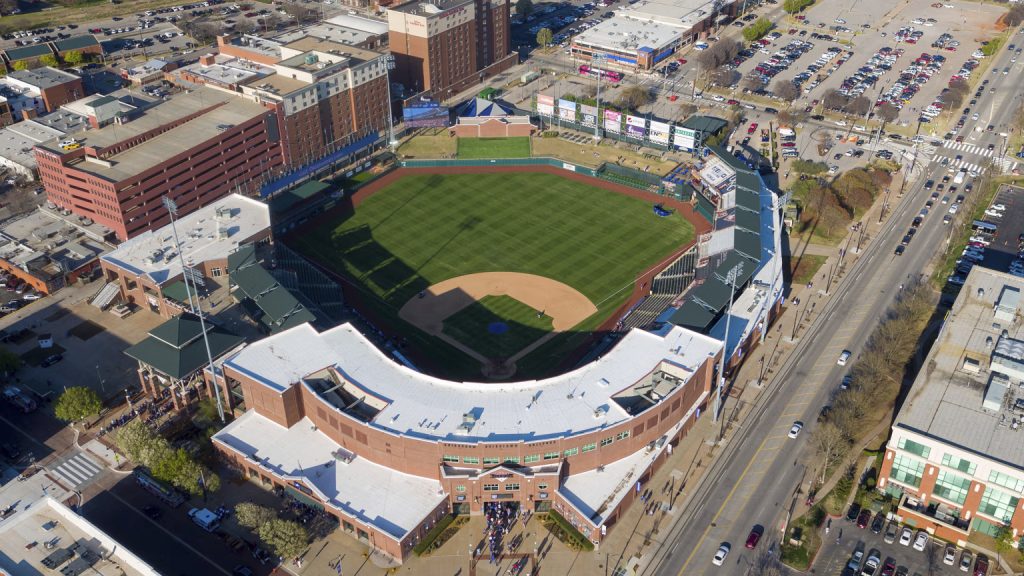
pixel 339 567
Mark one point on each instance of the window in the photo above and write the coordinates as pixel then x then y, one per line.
pixel 907 470
pixel 572 452
pixel 914 448
pixel 460 488
pixel 607 441
pixel 622 435
pixel 1006 481
pixel 470 460
pixel 215 272
pixel 952 487
pixel 589 447
pixel 542 486
pixel 512 459
pixel 958 463
pixel 451 459
pixel 551 456
pixel 998 504
pixel 531 458
pixel 491 460
pixel 512 486
pixel 490 487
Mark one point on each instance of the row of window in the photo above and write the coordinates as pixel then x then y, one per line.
pixel 494 488
pixel 532 458
pixel 961 464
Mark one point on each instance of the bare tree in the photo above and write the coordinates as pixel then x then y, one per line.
pixel 635 96
pixel 858 106
pixel 833 100
pixel 887 112
pixel 786 90
pixel 687 109
pixel 725 76
pixel 830 444
pixel 751 83
pixel 957 92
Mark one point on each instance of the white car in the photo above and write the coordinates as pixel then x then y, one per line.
pixel 721 554
pixel 718 98
pixel 840 122
pixel 906 536
pixel 953 209
pixel 949 558
pixel 31 296
pixel 795 430
pixel 843 358
pixel 921 540
pixel 999 207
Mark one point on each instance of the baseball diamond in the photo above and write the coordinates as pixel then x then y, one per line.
pixel 407 234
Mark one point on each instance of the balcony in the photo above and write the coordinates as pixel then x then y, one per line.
pixel 938 512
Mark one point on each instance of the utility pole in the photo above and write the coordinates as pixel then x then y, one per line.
pixel 596 61
pixel 389 61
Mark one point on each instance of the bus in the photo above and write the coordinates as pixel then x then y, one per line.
pixel 610 75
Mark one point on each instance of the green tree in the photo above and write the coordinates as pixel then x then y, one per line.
pixel 253 515
pixel 77 403
pixel 135 440
pixel 1004 542
pixel 757 30
pixel 794 6
pixel 48 60
pixel 20 65
pixel 544 37
pixel 9 361
pixel 524 7
pixel 635 97
pixel 74 57
pixel 286 538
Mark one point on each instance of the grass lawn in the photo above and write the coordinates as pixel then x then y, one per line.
pixel 471 148
pixel 497 326
pixel 803 268
pixel 428 146
pixel 592 156
pixel 81 12
pixel 426 228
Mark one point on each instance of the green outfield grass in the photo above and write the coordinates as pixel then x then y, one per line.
pixel 518 147
pixel 475 327
pixel 425 228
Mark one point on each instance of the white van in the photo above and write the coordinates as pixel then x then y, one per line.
pixel 204 518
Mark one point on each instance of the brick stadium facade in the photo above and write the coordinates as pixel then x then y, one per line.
pixel 449 45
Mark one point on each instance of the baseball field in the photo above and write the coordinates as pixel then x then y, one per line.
pixel 488 268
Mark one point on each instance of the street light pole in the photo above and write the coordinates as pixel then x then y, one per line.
pixel 389 63
pixel 730 277
pixel 598 60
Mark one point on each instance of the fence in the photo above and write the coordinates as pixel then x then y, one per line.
pixel 631 177
pixel 555 122
pixel 543 161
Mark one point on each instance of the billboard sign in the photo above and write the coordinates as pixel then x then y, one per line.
pixel 567 110
pixel 659 133
pixel 612 121
pixel 684 138
pixel 636 127
pixel 545 105
pixel 589 115
pixel 426 114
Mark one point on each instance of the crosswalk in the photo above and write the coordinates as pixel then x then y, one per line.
pixel 970 149
pixel 77 470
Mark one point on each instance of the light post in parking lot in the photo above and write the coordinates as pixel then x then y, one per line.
pixel 597 61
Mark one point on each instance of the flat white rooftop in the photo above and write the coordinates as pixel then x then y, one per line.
pixel 683 14
pixel 203 235
pixel 392 501
pixel 226 71
pixel 77 542
pixel 946 402
pixel 419 405
pixel 624 34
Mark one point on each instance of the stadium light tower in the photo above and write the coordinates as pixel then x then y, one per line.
pixel 197 309
pixel 597 62
pixel 389 61
pixel 730 277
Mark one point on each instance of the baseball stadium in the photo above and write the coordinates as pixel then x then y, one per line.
pixel 529 333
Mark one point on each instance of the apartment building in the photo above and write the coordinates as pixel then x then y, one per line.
pixel 445 46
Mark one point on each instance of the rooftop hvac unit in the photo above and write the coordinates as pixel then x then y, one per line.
pixel 222 213
pixel 222 233
pixel 311 59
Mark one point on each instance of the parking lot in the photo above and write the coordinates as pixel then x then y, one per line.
pixel 845 537
pixel 998 250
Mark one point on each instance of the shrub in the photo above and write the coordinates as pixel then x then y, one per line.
pixel 567 533
pixel 757 30
pixel 427 542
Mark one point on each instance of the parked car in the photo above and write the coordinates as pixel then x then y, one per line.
pixel 906 535
pixel 51 360
pixel 863 519
pixel 921 540
pixel 949 557
pixel 981 565
pixel 966 559
pixel 878 523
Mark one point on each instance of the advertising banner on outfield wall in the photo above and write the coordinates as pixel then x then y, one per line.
pixel 612 121
pixel 589 114
pixel 566 110
pixel 636 127
pixel 659 132
pixel 545 105
pixel 683 138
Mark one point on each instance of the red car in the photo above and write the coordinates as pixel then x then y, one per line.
pixel 754 538
pixel 981 565
pixel 889 568
pixel 753 127
pixel 732 102
pixel 864 518
pixel 681 60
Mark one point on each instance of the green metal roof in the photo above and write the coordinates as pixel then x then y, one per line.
pixel 27 52
pixel 713 292
pixel 693 316
pixel 730 160
pixel 176 291
pixel 76 43
pixel 731 261
pixel 179 331
pixel 749 243
pixel 181 362
pixel 707 124
pixel 748 220
pixel 279 309
pixel 748 180
pixel 285 200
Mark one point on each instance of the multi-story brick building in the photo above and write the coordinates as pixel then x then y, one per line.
pixel 51 87
pixel 389 450
pixel 955 459
pixel 446 46
pixel 195 147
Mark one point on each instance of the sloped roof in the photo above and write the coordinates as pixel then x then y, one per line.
pixel 76 43
pixel 479 108
pixel 708 124
pixel 279 308
pixel 175 348
pixel 26 52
